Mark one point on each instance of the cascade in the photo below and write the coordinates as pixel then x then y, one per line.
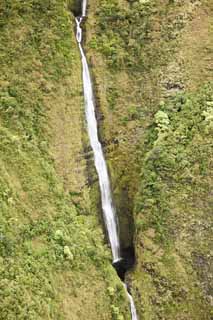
pixel 108 208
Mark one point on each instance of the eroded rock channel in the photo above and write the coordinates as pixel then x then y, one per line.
pixel 123 259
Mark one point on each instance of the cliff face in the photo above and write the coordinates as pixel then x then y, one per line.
pixel 152 68
pixel 151 63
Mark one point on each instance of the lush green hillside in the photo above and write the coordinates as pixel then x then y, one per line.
pixel 173 211
pixel 151 63
pixel 53 262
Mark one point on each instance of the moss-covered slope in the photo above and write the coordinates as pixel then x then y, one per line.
pixel 151 63
pixel 152 68
pixel 174 212
pixel 53 262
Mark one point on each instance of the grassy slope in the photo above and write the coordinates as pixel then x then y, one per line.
pixel 53 264
pixel 174 205
pixel 174 212
pixel 146 57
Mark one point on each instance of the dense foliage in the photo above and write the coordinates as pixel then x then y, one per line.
pixel 174 208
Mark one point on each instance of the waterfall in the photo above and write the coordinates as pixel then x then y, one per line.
pixel 109 213
pixel 132 304
pixel 84 8
pixel 100 164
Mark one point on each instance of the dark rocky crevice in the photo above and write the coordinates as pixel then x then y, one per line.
pixel 75 7
pixel 126 263
pixel 123 209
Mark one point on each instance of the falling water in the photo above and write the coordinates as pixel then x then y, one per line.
pixel 84 8
pixel 132 304
pixel 100 163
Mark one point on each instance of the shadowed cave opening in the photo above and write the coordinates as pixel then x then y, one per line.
pixel 126 263
pixel 75 7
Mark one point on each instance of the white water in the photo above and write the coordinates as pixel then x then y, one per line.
pixel 132 304
pixel 100 163
pixel 84 8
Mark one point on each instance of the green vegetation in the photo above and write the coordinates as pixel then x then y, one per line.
pixel 53 261
pixel 173 210
pixel 151 62
pixel 124 33
pixel 156 55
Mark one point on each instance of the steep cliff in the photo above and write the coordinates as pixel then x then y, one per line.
pixel 53 264
pixel 152 68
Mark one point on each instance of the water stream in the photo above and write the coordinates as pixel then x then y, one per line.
pixel 109 213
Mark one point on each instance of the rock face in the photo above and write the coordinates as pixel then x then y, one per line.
pixel 151 63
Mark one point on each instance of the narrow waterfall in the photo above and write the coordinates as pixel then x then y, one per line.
pixel 100 164
pixel 109 213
